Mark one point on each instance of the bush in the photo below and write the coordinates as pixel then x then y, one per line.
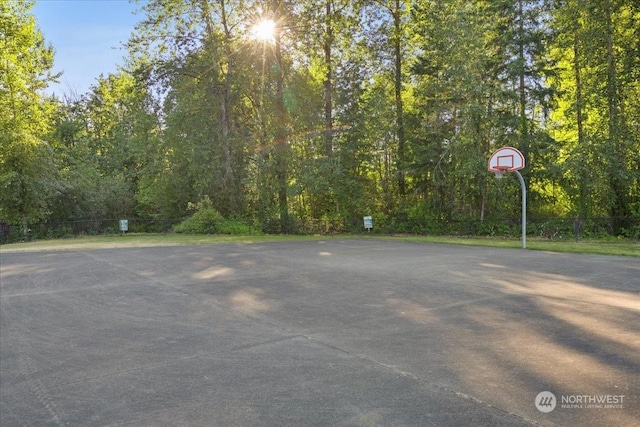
pixel 205 219
pixel 237 227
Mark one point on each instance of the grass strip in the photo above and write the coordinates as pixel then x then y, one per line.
pixel 617 247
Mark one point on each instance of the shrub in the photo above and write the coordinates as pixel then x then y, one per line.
pixel 237 227
pixel 205 219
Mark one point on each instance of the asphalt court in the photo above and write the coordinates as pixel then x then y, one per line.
pixel 335 332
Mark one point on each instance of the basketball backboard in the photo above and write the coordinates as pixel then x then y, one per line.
pixel 506 159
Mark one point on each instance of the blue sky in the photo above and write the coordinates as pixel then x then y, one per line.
pixel 87 36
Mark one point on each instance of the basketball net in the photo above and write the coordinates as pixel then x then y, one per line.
pixel 500 170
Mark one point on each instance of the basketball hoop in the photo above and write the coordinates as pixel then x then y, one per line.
pixel 509 159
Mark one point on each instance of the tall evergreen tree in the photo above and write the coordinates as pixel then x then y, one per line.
pixel 463 110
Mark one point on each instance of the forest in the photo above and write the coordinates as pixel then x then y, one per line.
pixel 337 109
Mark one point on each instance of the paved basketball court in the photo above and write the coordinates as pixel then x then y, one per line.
pixel 335 332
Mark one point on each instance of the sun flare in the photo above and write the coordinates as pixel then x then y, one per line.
pixel 264 30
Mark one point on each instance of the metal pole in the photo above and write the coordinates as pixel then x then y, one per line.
pixel 524 210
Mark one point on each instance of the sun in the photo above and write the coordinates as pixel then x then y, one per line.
pixel 264 30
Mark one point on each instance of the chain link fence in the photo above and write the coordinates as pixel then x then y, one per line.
pixel 92 227
pixel 547 228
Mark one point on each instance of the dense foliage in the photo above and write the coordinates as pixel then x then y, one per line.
pixel 388 108
pixel 207 220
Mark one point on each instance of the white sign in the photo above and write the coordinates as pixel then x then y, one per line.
pixel 124 225
pixel 368 222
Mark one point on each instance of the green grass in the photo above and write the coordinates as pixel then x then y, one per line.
pixel 591 246
pixel 619 247
pixel 137 240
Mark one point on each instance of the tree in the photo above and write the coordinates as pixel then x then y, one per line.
pixel 598 104
pixel 522 35
pixel 27 174
pixel 462 107
pixel 104 150
pixel 325 47
pixel 184 46
pixel 349 108
pixel 388 20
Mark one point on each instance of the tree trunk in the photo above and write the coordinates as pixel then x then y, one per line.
pixel 225 103
pixel 522 89
pixel 280 131
pixel 582 179
pixel 397 51
pixel 222 93
pixel 25 227
pixel 619 205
